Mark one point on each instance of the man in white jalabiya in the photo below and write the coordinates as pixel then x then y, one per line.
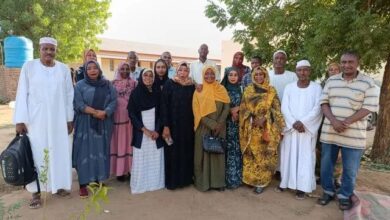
pixel 44 111
pixel 279 77
pixel 302 113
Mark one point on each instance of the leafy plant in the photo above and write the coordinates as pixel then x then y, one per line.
pixel 43 177
pixel 99 194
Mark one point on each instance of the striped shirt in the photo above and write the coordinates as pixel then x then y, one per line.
pixel 345 98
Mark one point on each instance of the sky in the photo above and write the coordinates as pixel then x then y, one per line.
pixel 165 22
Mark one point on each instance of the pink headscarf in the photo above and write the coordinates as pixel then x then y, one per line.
pixel 117 72
pixel 123 86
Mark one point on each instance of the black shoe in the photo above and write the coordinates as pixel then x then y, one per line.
pixel 121 178
pixel 345 204
pixel 258 190
pixel 300 195
pixel 325 199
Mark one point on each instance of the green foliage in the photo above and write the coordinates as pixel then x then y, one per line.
pixel 98 194
pixel 43 175
pixel 8 213
pixel 317 30
pixel 44 178
pixel 74 23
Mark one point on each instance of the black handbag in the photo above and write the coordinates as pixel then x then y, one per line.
pixel 213 144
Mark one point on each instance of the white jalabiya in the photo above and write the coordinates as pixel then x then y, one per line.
pixel 298 149
pixel 279 81
pixel 147 172
pixel 44 103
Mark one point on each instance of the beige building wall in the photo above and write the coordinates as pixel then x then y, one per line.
pixel 112 52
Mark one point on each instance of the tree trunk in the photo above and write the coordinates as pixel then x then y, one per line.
pixel 381 149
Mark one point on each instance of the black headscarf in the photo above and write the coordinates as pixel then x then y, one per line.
pixel 231 87
pixel 144 98
pixel 159 82
pixel 101 90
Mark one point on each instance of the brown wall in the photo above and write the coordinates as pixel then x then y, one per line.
pixel 8 82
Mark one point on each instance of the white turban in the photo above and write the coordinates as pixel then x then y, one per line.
pixel 48 40
pixel 279 51
pixel 303 63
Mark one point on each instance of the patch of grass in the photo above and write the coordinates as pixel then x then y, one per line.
pixel 368 164
pixel 9 212
pixel 378 167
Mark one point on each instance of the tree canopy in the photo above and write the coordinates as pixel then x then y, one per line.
pixel 318 30
pixel 74 23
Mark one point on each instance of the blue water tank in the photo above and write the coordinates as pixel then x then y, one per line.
pixel 17 50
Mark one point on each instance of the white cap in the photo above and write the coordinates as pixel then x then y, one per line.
pixel 279 51
pixel 48 40
pixel 303 63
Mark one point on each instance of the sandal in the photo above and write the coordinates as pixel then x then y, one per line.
pixel 325 199
pixel 345 204
pixel 258 190
pixel 35 202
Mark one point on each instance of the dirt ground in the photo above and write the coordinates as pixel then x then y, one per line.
pixel 185 203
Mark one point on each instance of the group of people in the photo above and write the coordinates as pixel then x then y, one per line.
pixel 149 126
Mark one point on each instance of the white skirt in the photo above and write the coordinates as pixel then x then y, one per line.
pixel 147 172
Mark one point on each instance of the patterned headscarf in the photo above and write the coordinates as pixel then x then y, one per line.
pixel 265 85
pixel 177 79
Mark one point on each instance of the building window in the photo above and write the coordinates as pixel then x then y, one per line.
pixel 111 65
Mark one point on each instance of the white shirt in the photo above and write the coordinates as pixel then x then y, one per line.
pixel 279 81
pixel 135 75
pixel 196 70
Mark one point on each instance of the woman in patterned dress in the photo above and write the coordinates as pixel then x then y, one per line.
pixel 233 153
pixel 261 124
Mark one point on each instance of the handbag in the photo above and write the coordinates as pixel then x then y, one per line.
pixel 213 144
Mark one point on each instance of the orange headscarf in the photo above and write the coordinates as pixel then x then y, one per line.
pixel 203 103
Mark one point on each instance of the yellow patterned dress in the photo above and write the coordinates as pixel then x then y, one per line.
pixel 259 145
